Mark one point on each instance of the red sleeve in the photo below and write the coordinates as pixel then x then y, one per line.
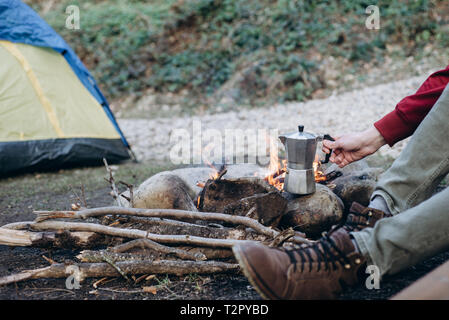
pixel 410 111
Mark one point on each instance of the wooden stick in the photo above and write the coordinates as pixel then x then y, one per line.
pixel 133 233
pixel 146 243
pixel 98 270
pixel 168 226
pixel 282 237
pixel 19 238
pixel 173 213
pixel 17 225
pixel 210 253
pixel 62 239
pixel 131 193
pixel 161 213
pixel 112 183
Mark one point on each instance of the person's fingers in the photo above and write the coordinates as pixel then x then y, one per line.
pixel 334 154
pixel 325 150
pixel 339 158
pixel 332 144
pixel 344 163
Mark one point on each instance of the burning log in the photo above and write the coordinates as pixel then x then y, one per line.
pixel 313 214
pixel 217 194
pixel 268 207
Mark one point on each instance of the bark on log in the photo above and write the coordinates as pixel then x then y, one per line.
pixel 58 239
pixel 268 207
pixel 132 233
pixel 95 270
pixel 148 244
pixel 210 253
pixel 217 194
pixel 166 226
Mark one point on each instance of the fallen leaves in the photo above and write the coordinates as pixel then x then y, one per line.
pixel 152 289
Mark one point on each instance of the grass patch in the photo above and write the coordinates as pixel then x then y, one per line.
pixel 249 50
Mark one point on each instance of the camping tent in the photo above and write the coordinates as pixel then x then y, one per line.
pixel 52 113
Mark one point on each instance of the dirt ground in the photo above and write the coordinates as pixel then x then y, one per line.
pixel 21 195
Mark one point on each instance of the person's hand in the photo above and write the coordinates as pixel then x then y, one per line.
pixel 353 146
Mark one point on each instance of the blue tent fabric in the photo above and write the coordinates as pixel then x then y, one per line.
pixel 19 23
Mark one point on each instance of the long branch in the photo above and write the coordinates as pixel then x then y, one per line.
pixel 163 213
pixel 89 270
pixel 147 243
pixel 133 233
pixel 54 239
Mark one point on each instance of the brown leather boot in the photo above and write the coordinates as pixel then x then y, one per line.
pixel 361 217
pixel 317 271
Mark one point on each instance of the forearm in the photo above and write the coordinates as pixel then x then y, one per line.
pixel 373 140
pixel 410 111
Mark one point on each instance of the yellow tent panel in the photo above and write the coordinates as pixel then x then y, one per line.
pixel 42 98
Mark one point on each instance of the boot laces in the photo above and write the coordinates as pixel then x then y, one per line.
pixel 352 225
pixel 325 249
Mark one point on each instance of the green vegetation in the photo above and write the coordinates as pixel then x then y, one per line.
pixel 258 48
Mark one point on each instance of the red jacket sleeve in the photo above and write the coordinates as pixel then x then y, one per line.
pixel 410 111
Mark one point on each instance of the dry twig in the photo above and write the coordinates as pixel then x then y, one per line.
pixel 146 243
pixel 163 213
pixel 133 233
pixel 112 183
pixel 96 270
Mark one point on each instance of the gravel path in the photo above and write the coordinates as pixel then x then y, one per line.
pixel 337 114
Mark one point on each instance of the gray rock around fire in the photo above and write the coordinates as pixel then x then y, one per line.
pixel 314 213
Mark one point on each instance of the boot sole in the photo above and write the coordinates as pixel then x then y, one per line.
pixel 248 271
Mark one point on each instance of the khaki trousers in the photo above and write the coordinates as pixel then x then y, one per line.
pixel 420 226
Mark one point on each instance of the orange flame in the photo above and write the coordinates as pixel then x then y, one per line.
pixel 318 171
pixel 277 169
pixel 216 172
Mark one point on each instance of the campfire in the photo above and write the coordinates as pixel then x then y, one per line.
pixel 173 225
pixel 275 172
pixel 278 168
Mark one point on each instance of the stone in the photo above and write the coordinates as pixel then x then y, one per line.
pixel 162 191
pixel 314 213
pixel 354 166
pixel 356 186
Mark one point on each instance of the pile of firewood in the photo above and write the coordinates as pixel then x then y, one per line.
pixel 170 225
